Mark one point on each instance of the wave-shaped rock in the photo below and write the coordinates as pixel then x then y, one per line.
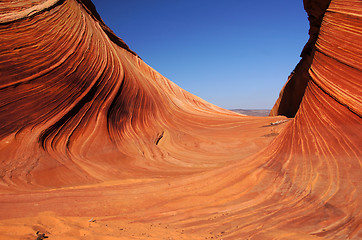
pixel 88 129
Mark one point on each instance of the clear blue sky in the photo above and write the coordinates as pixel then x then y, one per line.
pixel 232 53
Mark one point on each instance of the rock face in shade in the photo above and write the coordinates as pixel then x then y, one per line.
pixel 292 93
pixel 96 144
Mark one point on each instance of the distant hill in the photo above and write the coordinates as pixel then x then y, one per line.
pixel 253 112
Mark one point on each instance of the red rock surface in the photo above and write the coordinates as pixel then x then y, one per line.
pixel 95 144
pixel 292 93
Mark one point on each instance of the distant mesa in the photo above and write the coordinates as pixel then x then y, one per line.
pixel 253 112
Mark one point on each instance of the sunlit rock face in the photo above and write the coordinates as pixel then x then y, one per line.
pixel 89 130
pixel 77 102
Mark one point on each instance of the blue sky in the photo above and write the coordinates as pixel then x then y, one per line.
pixel 232 53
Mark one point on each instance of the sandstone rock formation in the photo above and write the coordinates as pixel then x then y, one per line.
pixel 293 91
pixel 89 131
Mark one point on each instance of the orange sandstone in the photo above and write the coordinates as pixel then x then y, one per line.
pixel 95 144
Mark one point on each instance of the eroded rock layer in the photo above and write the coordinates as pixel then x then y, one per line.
pixel 292 93
pixel 95 144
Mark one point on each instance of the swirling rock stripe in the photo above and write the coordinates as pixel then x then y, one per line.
pixel 119 141
pixel 291 95
pixel 70 88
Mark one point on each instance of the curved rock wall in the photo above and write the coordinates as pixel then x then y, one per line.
pixel 65 79
pixel 88 130
pixel 292 93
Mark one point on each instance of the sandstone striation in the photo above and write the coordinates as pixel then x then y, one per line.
pixel 95 144
pixel 292 93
